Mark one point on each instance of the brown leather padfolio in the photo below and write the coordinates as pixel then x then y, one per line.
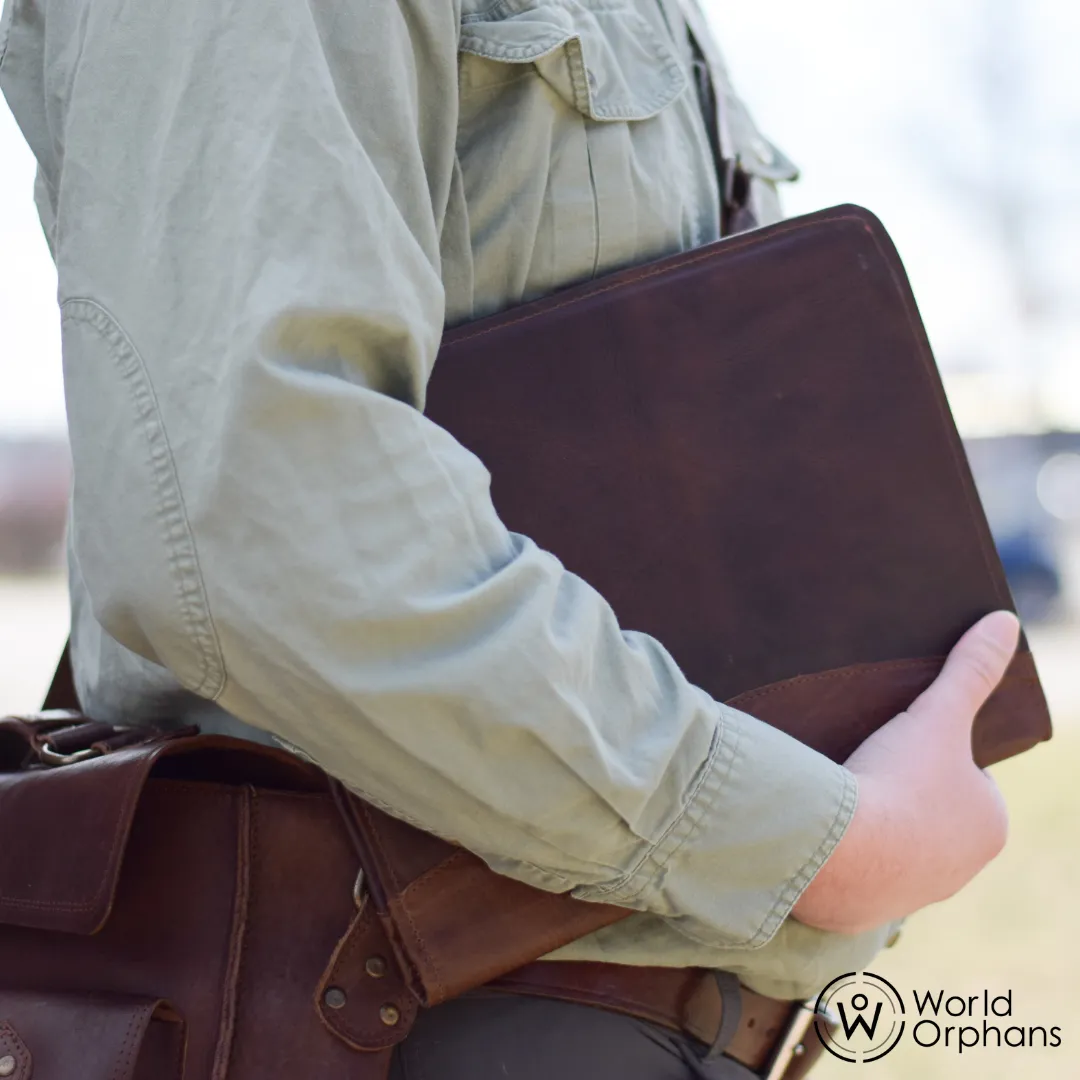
pixel 747 450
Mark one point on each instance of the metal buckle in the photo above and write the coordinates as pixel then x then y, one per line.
pixel 48 756
pixel 107 739
pixel 793 1043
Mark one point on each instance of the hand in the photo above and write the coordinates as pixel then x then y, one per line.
pixel 928 818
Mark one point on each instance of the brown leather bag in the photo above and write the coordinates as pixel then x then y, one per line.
pixel 220 877
pixel 182 906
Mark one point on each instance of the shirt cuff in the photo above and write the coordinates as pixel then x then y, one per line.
pixel 764 814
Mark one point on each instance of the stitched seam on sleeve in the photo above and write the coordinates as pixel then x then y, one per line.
pixel 796 884
pixel 793 888
pixel 722 754
pixel 171 513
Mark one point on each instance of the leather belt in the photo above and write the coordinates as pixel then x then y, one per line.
pixel 772 1038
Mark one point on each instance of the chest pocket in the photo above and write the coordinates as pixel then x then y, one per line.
pixel 603 59
pixel 580 148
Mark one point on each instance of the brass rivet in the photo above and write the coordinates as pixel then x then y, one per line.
pixel 7 1065
pixel 375 966
pixel 389 1015
pixel 335 997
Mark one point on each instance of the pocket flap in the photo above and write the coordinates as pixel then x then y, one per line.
pixel 601 57
pixel 106 1037
pixel 64 830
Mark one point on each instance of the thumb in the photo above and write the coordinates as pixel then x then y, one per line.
pixel 971 672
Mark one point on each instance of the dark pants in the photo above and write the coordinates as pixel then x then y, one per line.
pixel 486 1036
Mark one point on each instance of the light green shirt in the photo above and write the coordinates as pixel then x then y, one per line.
pixel 263 212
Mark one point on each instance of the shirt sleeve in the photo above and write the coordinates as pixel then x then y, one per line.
pixel 250 204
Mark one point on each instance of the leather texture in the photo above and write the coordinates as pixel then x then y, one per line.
pixel 215 852
pixel 437 900
pixel 770 489
pixel 93 1036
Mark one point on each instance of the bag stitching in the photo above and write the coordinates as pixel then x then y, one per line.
pixel 127 809
pixel 247 851
pixel 368 1035
pixel 125 1059
pixel 12 1041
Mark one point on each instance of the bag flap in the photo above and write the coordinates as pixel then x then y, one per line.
pixel 453 923
pixel 64 830
pixel 94 1037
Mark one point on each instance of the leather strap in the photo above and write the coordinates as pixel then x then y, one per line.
pixel 684 1000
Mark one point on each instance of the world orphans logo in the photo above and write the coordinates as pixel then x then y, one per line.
pixel 860 1018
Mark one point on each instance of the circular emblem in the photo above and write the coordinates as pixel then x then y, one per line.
pixel 867 1017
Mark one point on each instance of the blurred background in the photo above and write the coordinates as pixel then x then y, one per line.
pixel 958 123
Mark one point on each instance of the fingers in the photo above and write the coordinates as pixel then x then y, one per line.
pixel 971 672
